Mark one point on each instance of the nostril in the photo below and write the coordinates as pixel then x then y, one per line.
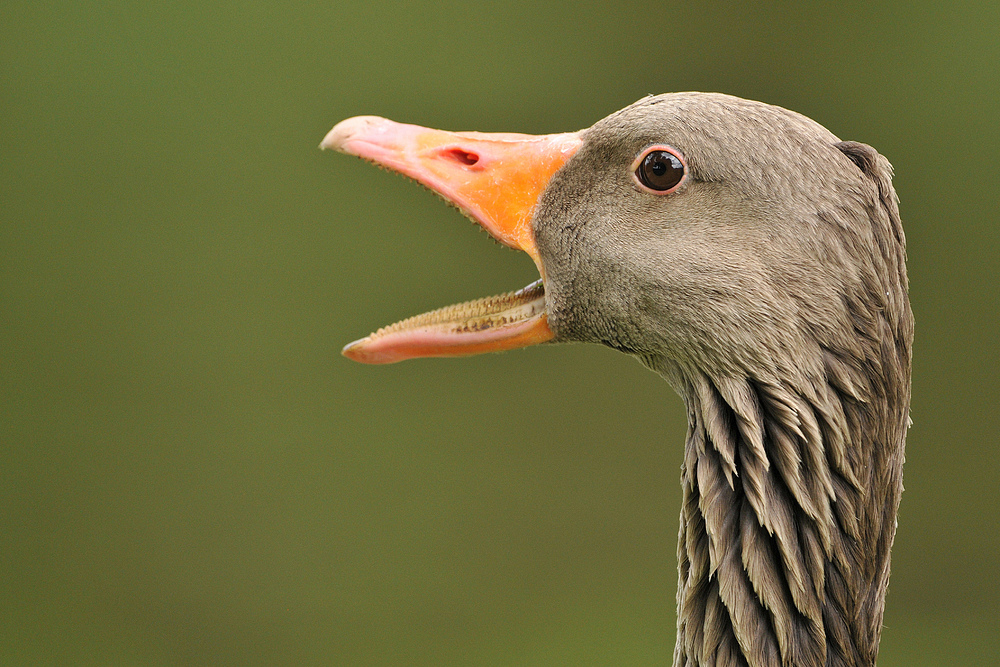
pixel 459 155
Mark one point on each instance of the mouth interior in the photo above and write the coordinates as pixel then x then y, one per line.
pixel 479 315
pixel 486 315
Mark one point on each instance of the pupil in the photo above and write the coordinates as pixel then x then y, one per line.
pixel 659 167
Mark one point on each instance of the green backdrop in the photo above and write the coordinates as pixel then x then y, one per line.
pixel 190 474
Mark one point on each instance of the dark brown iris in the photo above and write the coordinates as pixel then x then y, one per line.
pixel 660 170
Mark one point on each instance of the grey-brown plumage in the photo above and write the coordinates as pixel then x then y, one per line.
pixel 768 286
pixel 771 292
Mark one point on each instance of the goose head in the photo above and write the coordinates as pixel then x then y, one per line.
pixel 755 261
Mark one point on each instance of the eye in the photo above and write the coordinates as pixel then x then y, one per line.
pixel 659 169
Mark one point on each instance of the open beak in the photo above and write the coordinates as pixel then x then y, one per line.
pixel 495 179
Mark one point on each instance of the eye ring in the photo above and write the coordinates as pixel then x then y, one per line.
pixel 659 169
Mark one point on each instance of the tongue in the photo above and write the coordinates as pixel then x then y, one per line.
pixel 505 322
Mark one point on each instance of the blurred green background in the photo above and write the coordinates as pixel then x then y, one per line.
pixel 190 474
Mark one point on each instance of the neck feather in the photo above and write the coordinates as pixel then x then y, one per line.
pixel 790 497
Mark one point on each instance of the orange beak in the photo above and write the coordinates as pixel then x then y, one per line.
pixel 495 179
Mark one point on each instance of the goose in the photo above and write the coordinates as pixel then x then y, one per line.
pixel 757 263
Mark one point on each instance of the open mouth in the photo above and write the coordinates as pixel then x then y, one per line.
pixel 495 179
